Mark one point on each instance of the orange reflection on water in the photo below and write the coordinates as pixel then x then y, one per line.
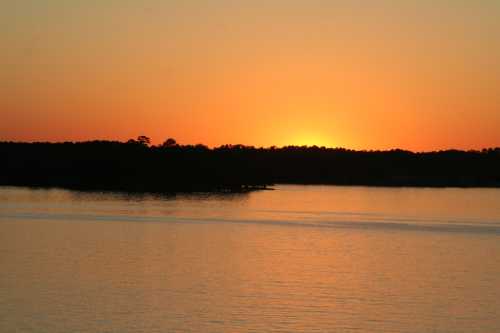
pixel 98 262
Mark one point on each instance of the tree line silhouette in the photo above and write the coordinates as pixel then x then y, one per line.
pixel 136 165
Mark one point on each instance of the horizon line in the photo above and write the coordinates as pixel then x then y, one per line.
pixel 235 145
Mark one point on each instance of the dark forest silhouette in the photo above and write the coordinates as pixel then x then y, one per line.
pixel 138 166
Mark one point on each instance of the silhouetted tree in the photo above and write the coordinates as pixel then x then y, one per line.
pixel 112 165
pixel 143 140
pixel 169 143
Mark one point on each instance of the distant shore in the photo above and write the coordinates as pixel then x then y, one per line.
pixel 136 166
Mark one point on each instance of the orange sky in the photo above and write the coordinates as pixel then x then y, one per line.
pixel 419 75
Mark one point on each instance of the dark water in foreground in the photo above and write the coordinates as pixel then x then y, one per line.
pixel 300 258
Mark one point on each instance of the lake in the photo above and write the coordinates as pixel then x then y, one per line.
pixel 299 258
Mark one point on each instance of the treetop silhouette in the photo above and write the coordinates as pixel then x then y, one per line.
pixel 136 165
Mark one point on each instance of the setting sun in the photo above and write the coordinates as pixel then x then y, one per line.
pixel 250 166
pixel 311 139
pixel 412 75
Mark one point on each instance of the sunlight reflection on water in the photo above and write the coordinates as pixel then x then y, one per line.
pixel 300 258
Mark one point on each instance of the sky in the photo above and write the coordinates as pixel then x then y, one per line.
pixel 374 74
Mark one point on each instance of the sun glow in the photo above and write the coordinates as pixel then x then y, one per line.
pixel 379 76
pixel 311 139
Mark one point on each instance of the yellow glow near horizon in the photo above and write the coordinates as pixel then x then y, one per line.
pixel 418 75
pixel 311 139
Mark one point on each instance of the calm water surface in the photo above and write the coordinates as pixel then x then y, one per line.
pixel 300 258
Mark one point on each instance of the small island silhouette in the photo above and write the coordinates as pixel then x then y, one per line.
pixel 136 165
